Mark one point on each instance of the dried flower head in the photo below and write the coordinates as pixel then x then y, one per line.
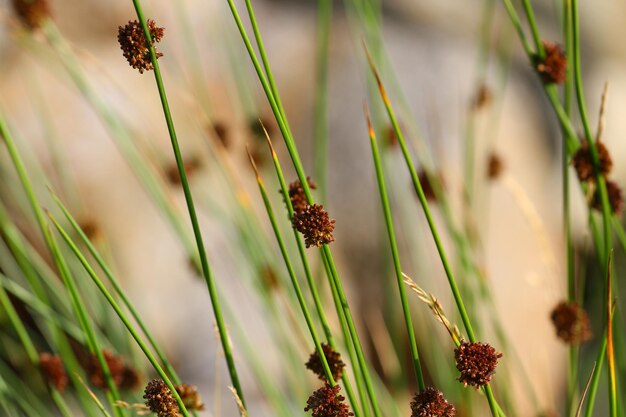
pixel 482 97
pixel 495 166
pixel 477 363
pixel 32 13
pixel 326 402
pixel 431 403
pixel 333 359
pixel 583 162
pixel 553 67
pixel 257 124
pixel 297 195
pixel 131 379
pixel 571 323
pixel 90 228
pixel 52 368
pixel 269 279
pixel 190 396
pixel 616 200
pixel 159 399
pixel 134 46
pixel 313 222
pixel 427 187
pixel 220 130
pixel 191 165
pixel 123 376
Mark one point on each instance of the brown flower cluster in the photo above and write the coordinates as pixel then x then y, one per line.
pixel 427 187
pixel 32 13
pixel 431 403
pixel 134 46
pixel 315 225
pixel 124 376
pixel 53 370
pixel 333 359
pixel 297 195
pixel 191 166
pixel 190 396
pixel 495 166
pixel 583 161
pixel 553 67
pixel 477 363
pixel 482 97
pixel 326 402
pixel 159 399
pixel 616 199
pixel 571 323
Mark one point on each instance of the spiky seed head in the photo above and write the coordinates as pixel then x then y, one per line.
pixel 571 323
pixel 53 370
pixel 297 195
pixel 477 363
pixel 190 396
pixel 616 199
pixel 159 399
pixel 583 161
pixel 326 402
pixel 32 13
pixel 431 403
pixel 315 225
pixel 333 359
pixel 134 46
pixel 552 69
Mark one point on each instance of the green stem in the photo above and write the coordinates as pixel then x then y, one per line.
pixel 206 272
pixel 393 245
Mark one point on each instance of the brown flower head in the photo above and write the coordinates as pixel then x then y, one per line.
pixel 333 358
pixel 191 165
pixel 190 396
pixel 297 196
pixel 326 402
pixel 220 130
pixel 159 399
pixel 134 46
pixel 123 376
pixel 256 125
pixel 616 200
pixel 427 186
pixel 477 363
pixel 32 13
pixel 482 97
pixel 52 368
pixel 313 222
pixel 431 403
pixel 571 323
pixel 269 279
pixel 583 162
pixel 495 166
pixel 553 67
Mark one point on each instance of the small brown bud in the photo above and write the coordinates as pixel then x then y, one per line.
pixel 190 396
pixel 315 224
pixel 583 162
pixel 53 370
pixel 297 195
pixel 495 166
pixel 134 46
pixel 427 186
pixel 431 403
pixel 159 399
pixel 477 363
pixel 482 97
pixel 326 402
pixel 333 359
pixel 616 200
pixel 32 13
pixel 191 166
pixel 553 67
pixel 571 323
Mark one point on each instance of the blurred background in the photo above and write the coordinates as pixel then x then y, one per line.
pixel 433 50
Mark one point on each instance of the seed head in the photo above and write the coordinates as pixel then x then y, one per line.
pixel 52 368
pixel 326 402
pixel 134 46
pixel 616 200
pixel 495 166
pixel 191 166
pixel 313 222
pixel 159 399
pixel 477 363
pixel 32 13
pixel 583 162
pixel 482 97
pixel 431 403
pixel 190 396
pixel 297 195
pixel 553 67
pixel 333 359
pixel 571 323
pixel 427 187
pixel 123 376
pixel 220 130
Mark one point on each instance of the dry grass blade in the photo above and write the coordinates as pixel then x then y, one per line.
pixel 584 393
pixel 242 409
pixel 602 117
